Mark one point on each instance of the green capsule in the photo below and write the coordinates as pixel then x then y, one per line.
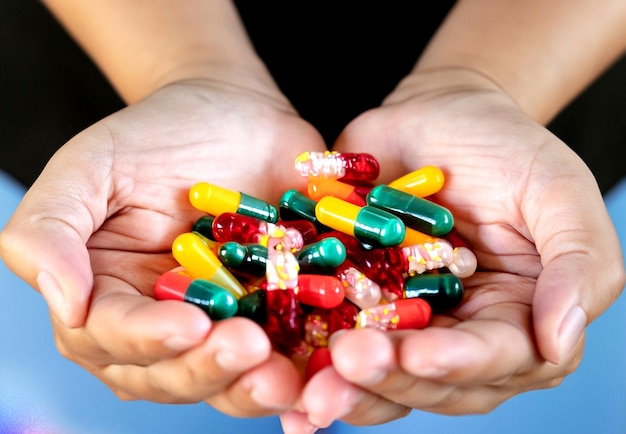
pixel 254 306
pixel 294 205
pixel 367 224
pixel 216 301
pixel 417 213
pixel 441 291
pixel 204 226
pixel 249 258
pixel 326 253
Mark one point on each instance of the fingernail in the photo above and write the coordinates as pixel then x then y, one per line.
pixel 296 423
pixel 51 291
pixel 571 331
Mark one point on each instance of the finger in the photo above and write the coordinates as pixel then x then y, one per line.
pixel 296 422
pixel 269 388
pixel 233 348
pixel 44 241
pixel 575 241
pixel 328 397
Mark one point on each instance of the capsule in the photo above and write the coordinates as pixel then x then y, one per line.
pixel 431 256
pixel 318 188
pixel 250 259
pixel 253 306
pixel 441 291
pixel 422 182
pixel 194 254
pixel 285 320
pixel 359 289
pixel 320 290
pixel 320 358
pixel 216 301
pixel 367 224
pixel 326 253
pixel 282 270
pixel 417 213
pixel 216 200
pixel 406 313
pixel 245 229
pixel 295 205
pixel 334 165
pixel 204 226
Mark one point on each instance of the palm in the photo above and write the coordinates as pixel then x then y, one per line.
pixel 143 160
pixel 517 194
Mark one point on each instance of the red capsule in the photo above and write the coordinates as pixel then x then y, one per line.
pixel 285 321
pixel 245 229
pixel 319 290
pixel 408 313
pixel 320 358
pixel 334 165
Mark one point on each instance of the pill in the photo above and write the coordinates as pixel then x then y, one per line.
pixel 359 289
pixel 405 313
pixel 417 213
pixel 441 291
pixel 334 165
pixel 216 200
pixel 247 258
pixel 367 224
pixel 320 290
pixel 319 188
pixel 422 182
pixel 329 252
pixel 194 254
pixel 216 301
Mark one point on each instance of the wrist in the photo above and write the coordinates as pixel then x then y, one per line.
pixel 443 80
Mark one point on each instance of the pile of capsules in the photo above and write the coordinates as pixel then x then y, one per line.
pixel 344 254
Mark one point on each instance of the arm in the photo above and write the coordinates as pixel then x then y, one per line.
pixel 542 53
pixel 141 45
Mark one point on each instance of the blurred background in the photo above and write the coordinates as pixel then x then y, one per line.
pixel 50 90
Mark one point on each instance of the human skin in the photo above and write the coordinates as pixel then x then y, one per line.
pixel 197 92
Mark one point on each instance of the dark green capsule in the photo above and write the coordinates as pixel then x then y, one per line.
pixel 204 226
pixel 216 301
pixel 257 208
pixel 441 291
pixel 249 258
pixel 254 306
pixel 326 253
pixel 417 213
pixel 294 205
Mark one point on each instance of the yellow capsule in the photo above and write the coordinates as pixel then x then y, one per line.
pixel 367 224
pixel 216 200
pixel 198 259
pixel 421 182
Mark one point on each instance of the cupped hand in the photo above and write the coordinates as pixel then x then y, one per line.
pixel 549 258
pixel 95 231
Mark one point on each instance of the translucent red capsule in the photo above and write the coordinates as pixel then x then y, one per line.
pixel 284 321
pixel 334 165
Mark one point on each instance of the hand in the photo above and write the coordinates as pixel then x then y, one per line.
pixel 549 258
pixel 95 231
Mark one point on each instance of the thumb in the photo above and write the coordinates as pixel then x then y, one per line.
pixel 44 243
pixel 582 276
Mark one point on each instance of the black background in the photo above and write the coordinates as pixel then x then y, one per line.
pixel 331 60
